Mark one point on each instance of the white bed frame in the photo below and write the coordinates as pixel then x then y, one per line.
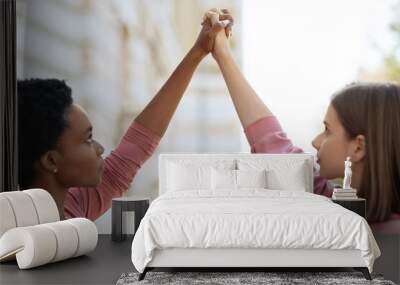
pixel 250 258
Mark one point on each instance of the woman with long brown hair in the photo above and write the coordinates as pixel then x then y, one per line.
pixel 370 112
pixel 362 122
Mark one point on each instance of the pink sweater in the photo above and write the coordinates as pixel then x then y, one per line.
pixel 137 145
pixel 266 136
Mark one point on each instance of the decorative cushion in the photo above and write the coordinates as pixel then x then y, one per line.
pixel 40 244
pixel 26 208
pixel 7 218
pixel 23 209
pixel 31 232
pixel 45 205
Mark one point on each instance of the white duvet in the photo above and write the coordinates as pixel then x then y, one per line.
pixel 250 219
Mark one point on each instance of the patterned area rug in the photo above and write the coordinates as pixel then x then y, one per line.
pixel 225 278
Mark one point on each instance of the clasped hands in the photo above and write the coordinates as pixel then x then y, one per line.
pixel 216 29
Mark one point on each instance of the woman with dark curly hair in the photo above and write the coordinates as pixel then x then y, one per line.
pixel 57 151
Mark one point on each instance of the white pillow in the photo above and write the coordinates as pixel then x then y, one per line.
pixel 293 179
pixel 188 177
pixel 282 174
pixel 223 179
pixel 236 179
pixel 251 178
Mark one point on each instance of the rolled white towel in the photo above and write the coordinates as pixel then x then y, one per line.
pixel 40 244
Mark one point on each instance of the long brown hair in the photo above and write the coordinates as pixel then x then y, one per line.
pixel 373 110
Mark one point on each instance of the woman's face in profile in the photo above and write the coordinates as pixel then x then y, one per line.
pixel 332 146
pixel 79 161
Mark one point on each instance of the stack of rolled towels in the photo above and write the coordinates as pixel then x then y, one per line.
pixel 344 194
pixel 31 231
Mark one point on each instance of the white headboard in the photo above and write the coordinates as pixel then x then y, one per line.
pixel 232 159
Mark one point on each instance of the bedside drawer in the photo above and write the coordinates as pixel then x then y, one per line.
pixel 356 205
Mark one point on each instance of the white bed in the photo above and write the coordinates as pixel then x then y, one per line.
pixel 247 210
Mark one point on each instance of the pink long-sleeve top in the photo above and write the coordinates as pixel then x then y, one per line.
pixel 136 146
pixel 266 136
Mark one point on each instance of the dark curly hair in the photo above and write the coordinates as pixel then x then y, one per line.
pixel 42 107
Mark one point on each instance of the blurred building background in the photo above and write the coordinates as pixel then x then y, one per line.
pixel 116 54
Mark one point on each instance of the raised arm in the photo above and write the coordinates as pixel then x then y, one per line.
pixel 263 131
pixel 248 105
pixel 141 138
pixel 158 113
